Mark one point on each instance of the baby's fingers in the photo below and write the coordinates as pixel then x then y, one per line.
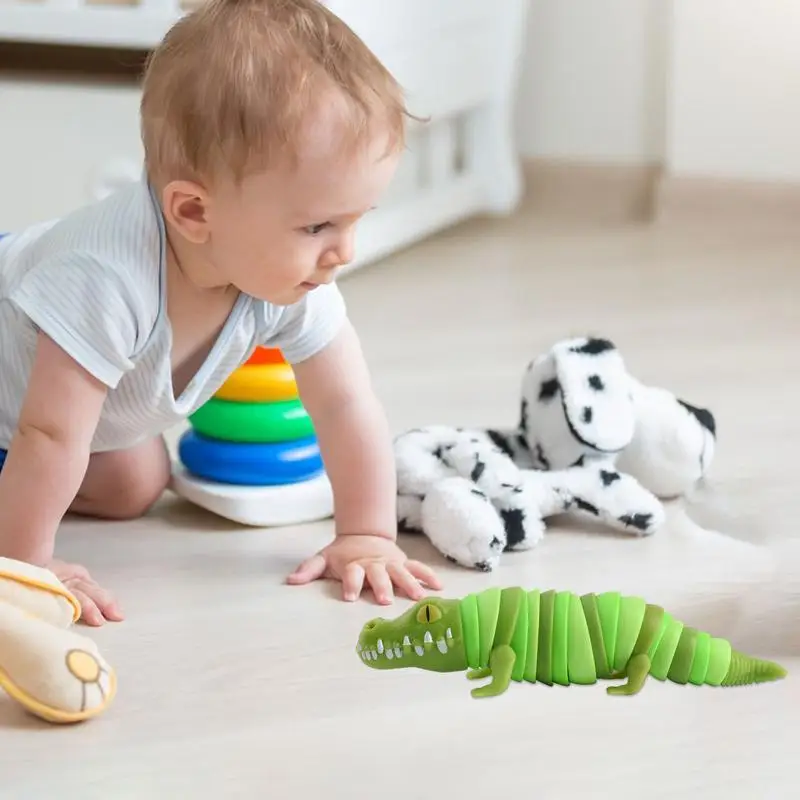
pixel 97 604
pixel 310 570
pixel 90 613
pixel 352 581
pixel 424 573
pixel 405 581
pixel 381 583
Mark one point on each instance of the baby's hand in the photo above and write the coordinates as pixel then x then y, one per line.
pixel 352 558
pixel 97 605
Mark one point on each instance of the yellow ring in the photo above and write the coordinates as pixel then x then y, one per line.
pixel 260 383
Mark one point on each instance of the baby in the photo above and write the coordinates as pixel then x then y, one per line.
pixel 269 130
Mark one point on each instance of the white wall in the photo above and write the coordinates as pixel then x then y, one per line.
pixel 592 84
pixel 734 98
pixel 708 87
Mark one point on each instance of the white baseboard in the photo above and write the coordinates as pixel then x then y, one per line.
pixel 717 201
pixel 644 193
pixel 592 191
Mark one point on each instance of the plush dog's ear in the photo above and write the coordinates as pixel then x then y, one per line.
pixel 576 403
pixel 674 443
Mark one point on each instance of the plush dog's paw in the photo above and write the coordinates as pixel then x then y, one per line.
pixel 674 443
pixel 418 456
pixel 463 525
pixel 602 492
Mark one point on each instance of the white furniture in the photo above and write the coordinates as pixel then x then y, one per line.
pixel 63 144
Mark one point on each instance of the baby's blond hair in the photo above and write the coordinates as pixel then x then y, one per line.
pixel 233 83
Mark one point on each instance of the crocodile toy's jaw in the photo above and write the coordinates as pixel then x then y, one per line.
pixel 427 636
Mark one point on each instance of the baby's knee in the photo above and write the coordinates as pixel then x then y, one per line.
pixel 137 495
pixel 124 485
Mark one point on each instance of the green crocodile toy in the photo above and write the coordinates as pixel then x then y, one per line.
pixel 556 637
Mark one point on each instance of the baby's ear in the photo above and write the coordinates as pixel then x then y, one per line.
pixel 185 206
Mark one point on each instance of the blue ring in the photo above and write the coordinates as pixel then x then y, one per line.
pixel 247 464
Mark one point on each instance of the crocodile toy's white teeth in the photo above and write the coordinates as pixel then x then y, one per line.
pixel 390 649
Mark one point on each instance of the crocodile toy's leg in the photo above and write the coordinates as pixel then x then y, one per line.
pixel 636 671
pixel 639 664
pixel 502 656
pixel 501 665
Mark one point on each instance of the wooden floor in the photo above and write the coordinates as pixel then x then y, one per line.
pixel 233 685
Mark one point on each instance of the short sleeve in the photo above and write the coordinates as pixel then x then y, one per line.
pixel 304 328
pixel 87 308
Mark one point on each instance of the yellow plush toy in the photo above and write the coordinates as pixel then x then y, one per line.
pixel 52 671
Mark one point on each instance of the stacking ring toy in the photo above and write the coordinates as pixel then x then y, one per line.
pixel 258 506
pixel 252 422
pixel 260 383
pixel 266 355
pixel 244 464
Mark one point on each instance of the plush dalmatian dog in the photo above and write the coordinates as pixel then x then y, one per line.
pixel 591 440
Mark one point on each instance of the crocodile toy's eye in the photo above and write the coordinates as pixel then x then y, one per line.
pixel 428 613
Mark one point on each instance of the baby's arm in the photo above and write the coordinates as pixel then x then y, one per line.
pixel 353 434
pixel 49 453
pixel 356 445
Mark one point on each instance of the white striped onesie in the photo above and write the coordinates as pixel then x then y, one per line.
pixel 95 282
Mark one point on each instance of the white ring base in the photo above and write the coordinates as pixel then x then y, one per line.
pixel 258 506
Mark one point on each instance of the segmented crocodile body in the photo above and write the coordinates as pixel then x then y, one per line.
pixel 556 638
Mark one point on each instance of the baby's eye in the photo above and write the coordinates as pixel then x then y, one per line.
pixel 315 229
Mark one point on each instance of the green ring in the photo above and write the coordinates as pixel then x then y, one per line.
pixel 256 423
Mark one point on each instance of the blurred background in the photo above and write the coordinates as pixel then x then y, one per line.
pixel 624 105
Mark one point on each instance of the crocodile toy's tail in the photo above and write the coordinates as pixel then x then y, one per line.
pixel 745 670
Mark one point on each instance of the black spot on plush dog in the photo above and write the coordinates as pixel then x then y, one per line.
pixel 549 390
pixel 596 383
pixel 609 477
pixel 523 415
pixel 589 508
pixel 594 347
pixel 702 415
pixel 501 442
pixel 639 521
pixel 514 522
